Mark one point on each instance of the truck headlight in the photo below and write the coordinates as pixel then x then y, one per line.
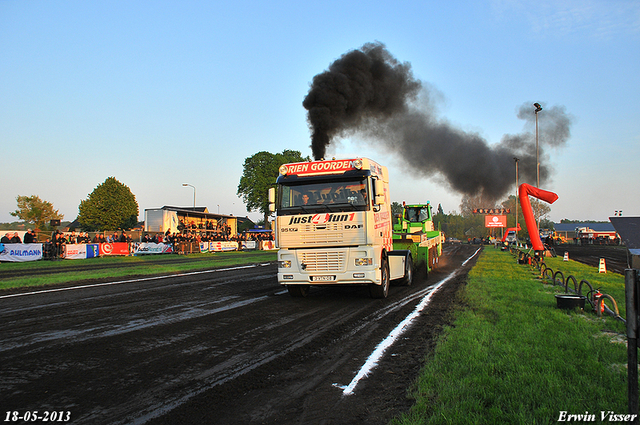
pixel 284 264
pixel 364 261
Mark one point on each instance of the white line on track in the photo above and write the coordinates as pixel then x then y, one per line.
pixel 378 352
pixel 120 282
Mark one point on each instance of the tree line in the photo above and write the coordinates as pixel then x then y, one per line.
pixel 111 206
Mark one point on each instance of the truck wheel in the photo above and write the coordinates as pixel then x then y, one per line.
pixel 382 290
pixel 408 272
pixel 298 291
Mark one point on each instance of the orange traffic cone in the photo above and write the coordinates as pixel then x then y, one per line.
pixel 602 268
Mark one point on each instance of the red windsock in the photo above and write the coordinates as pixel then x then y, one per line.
pixel 544 195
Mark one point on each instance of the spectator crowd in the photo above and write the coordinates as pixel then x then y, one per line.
pixel 187 239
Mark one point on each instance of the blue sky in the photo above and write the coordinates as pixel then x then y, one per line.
pixel 157 94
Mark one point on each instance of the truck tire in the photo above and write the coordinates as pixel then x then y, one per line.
pixel 408 272
pixel 382 290
pixel 298 291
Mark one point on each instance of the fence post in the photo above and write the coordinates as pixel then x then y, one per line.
pixel 631 293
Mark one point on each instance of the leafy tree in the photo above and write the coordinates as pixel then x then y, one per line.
pixel 540 209
pixel 110 206
pixel 259 174
pixel 451 224
pixel 396 208
pixel 545 223
pixel 36 211
pixel 567 221
pixel 469 203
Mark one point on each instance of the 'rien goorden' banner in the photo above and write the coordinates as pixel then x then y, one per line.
pixel 319 167
pixel 495 221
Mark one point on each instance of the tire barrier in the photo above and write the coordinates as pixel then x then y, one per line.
pixel 594 297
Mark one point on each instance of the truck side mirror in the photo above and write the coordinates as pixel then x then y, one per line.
pixel 379 188
pixel 272 199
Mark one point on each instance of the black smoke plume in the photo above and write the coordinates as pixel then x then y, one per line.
pixel 367 93
pixel 362 84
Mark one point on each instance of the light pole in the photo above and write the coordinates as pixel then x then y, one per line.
pixel 194 193
pixel 516 160
pixel 538 109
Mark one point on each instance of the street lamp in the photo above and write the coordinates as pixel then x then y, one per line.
pixel 538 109
pixel 516 160
pixel 194 193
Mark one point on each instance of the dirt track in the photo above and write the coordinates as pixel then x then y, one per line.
pixel 616 259
pixel 224 347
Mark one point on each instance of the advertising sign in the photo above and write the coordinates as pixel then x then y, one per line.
pixel 114 248
pixel 18 252
pixel 248 245
pixel 151 248
pixel 223 246
pixel 267 245
pixel 80 251
pixel 495 221
pixel 310 168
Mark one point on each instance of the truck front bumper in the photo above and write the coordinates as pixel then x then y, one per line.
pixel 328 267
pixel 359 277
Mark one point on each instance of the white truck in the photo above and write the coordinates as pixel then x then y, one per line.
pixel 334 226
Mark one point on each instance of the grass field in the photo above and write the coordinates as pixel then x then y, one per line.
pixel 511 356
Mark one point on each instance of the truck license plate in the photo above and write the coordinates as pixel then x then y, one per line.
pixel 323 278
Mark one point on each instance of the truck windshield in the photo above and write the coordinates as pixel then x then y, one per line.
pixel 417 214
pixel 340 195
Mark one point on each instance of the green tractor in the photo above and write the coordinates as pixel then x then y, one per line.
pixel 414 231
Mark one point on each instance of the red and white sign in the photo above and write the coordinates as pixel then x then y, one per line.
pixel 495 221
pixel 223 246
pixel 321 167
pixel 114 248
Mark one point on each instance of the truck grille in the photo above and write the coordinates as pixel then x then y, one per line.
pixel 324 261
pixel 333 233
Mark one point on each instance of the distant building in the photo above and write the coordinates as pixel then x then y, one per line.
pixel 194 219
pixel 585 230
